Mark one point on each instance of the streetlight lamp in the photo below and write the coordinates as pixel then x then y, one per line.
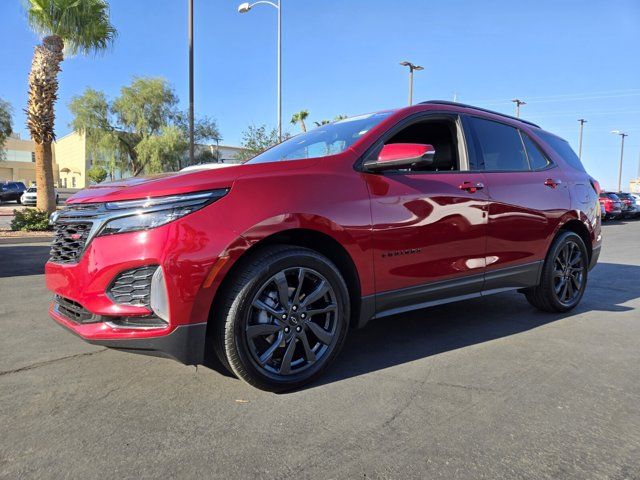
pixel 518 102
pixel 412 67
pixel 582 122
pixel 622 135
pixel 244 8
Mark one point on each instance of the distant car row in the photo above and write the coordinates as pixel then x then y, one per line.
pixel 619 205
pixel 18 192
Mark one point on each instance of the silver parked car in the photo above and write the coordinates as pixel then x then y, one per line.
pixel 30 196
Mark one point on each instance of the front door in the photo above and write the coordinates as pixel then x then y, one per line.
pixel 429 226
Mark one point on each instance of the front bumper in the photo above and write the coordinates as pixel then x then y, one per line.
pixel 184 343
pixel 185 249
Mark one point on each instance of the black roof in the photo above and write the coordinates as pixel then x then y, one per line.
pixel 463 105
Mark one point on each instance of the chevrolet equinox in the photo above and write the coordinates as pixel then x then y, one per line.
pixel 269 263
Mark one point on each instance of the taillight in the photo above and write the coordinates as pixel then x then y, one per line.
pixel 595 185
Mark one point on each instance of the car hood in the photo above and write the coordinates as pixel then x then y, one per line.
pixel 180 182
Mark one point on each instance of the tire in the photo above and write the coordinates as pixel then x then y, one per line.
pixel 18 201
pixel 253 339
pixel 564 275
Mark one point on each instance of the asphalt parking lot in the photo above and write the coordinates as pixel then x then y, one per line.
pixel 487 388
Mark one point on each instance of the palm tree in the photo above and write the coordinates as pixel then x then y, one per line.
pixel 339 117
pixel 322 122
pixel 300 117
pixel 73 26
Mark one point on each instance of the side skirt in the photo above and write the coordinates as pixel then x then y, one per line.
pixel 438 293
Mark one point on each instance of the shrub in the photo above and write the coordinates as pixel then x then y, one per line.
pixel 30 220
pixel 96 174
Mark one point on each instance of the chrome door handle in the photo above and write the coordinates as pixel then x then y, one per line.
pixel 471 187
pixel 552 182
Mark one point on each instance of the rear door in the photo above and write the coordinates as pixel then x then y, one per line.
pixel 527 199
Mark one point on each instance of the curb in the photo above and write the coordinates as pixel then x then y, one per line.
pixel 15 240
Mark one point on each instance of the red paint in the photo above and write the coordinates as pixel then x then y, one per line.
pixel 453 224
pixel 401 151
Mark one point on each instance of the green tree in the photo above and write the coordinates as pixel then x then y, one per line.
pixel 300 117
pixel 322 122
pixel 71 26
pixel 97 174
pixel 257 139
pixel 337 118
pixel 5 125
pixel 141 131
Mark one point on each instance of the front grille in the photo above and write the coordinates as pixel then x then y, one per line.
pixel 69 241
pixel 73 311
pixel 133 287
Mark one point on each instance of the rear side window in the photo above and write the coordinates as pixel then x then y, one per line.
pixel 563 149
pixel 537 159
pixel 499 145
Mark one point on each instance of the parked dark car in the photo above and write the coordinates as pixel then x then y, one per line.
pixel 612 205
pixel 10 191
pixel 628 204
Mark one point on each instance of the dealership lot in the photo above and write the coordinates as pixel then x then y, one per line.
pixel 487 388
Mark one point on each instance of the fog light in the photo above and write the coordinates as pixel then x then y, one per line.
pixel 159 295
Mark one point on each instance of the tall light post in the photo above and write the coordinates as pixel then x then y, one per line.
pixel 622 135
pixel 191 128
pixel 412 67
pixel 582 122
pixel 244 8
pixel 518 102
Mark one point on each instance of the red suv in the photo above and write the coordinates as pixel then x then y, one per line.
pixel 269 263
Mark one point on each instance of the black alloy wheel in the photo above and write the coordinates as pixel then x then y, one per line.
pixel 564 275
pixel 284 318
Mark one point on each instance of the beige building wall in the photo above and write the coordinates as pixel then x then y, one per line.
pixel 19 164
pixel 70 154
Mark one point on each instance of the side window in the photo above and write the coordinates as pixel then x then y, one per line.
pixel 500 147
pixel 563 149
pixel 537 159
pixel 441 134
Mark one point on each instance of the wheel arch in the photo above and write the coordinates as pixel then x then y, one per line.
pixel 578 227
pixel 308 238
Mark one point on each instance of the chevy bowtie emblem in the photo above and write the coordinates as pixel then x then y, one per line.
pixel 75 236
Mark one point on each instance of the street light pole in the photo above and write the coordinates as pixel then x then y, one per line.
pixel 244 8
pixel 412 67
pixel 191 128
pixel 518 102
pixel 622 135
pixel 582 122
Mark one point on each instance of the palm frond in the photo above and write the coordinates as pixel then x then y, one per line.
pixel 83 25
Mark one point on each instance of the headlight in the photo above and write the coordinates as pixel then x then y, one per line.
pixel 146 213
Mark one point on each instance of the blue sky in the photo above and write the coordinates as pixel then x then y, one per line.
pixel 567 59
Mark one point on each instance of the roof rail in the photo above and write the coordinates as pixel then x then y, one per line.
pixel 463 105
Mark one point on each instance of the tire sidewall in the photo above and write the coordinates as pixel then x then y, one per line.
pixel 236 344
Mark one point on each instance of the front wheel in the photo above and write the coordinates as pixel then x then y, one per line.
pixel 283 318
pixel 18 201
pixel 564 275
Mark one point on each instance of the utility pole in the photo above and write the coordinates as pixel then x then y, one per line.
pixel 412 67
pixel 622 135
pixel 191 128
pixel 518 102
pixel 582 122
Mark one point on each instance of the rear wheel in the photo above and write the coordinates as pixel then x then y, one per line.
pixel 18 201
pixel 564 275
pixel 283 318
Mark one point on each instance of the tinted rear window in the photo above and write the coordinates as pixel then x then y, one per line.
pixel 500 146
pixel 563 149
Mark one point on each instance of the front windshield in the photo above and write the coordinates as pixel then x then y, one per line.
pixel 328 139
